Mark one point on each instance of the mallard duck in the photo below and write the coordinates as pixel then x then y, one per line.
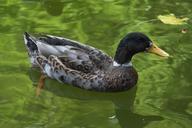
pixel 86 67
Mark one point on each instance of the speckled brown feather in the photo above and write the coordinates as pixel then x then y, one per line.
pixel 120 78
pixel 114 79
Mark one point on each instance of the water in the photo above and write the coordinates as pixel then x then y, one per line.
pixel 162 97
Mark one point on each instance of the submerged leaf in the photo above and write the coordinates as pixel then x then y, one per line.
pixel 171 19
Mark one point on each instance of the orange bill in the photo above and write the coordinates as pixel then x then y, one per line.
pixel 156 50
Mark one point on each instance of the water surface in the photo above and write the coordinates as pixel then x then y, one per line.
pixel 162 98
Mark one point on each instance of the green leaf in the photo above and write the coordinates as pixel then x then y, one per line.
pixel 172 19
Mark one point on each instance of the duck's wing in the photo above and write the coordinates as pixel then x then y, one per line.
pixel 72 53
pixel 55 69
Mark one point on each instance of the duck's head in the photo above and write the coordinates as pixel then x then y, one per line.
pixel 134 43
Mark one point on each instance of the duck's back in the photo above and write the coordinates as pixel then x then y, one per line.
pixel 72 54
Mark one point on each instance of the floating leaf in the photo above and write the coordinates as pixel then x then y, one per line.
pixel 171 19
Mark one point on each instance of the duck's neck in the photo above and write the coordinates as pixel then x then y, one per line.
pixel 123 57
pixel 115 64
pixel 123 54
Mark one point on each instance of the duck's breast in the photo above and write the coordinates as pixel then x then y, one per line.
pixel 121 78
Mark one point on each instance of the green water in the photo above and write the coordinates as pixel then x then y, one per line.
pixel 162 98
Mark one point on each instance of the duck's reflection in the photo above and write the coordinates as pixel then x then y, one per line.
pixel 123 101
pixel 125 114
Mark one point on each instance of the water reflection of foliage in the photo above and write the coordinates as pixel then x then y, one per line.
pixel 123 103
pixel 102 25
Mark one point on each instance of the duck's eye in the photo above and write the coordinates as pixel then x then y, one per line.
pixel 150 44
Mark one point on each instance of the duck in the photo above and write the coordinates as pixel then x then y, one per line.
pixel 74 63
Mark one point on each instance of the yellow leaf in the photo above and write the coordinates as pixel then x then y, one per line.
pixel 171 19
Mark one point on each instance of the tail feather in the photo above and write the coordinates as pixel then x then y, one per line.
pixel 30 42
pixel 32 48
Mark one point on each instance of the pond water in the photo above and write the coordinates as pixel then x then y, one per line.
pixel 162 97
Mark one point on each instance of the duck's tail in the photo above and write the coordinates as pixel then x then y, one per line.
pixel 30 43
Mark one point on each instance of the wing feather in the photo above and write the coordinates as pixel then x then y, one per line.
pixel 74 54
